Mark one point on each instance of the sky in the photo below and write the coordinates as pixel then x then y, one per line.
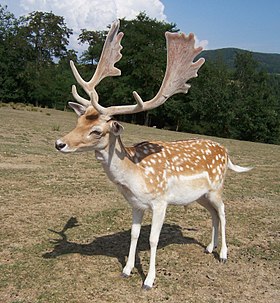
pixel 247 24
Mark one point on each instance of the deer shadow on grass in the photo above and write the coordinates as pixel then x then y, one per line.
pixel 116 245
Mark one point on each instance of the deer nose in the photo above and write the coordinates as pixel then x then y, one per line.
pixel 59 145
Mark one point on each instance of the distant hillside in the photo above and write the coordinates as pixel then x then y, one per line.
pixel 270 62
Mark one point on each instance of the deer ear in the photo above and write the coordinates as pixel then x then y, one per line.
pixel 78 108
pixel 116 128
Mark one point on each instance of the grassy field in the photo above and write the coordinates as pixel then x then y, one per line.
pixel 65 229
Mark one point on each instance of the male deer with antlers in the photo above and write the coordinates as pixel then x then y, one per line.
pixel 151 175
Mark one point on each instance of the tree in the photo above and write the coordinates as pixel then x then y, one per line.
pixel 95 40
pixel 175 114
pixel 12 56
pixel 63 80
pixel 8 23
pixel 257 115
pixel 209 105
pixel 47 34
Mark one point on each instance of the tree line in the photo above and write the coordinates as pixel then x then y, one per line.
pixel 241 103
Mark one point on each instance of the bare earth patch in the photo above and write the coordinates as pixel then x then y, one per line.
pixel 65 230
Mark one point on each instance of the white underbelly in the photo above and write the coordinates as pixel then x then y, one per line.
pixel 137 198
pixel 183 190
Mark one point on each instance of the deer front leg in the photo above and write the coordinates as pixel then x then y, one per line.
pixel 137 216
pixel 157 222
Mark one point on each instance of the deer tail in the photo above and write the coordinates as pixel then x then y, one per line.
pixel 237 168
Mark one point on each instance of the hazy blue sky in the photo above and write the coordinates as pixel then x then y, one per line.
pixel 249 24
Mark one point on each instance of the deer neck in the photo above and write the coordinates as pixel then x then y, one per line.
pixel 114 159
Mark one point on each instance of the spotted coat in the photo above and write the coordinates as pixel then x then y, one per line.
pixel 160 161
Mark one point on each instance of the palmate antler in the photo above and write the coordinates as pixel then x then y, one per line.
pixel 180 68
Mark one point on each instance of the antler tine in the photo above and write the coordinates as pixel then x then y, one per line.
pixel 80 99
pixel 180 68
pixel 110 55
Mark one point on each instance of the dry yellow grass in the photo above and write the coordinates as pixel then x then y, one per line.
pixel 65 230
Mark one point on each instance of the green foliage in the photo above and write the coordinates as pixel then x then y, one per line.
pixel 11 62
pixel 210 104
pixel 241 101
pixel 95 40
pixel 257 108
pixel 241 104
pixel 46 33
pixel 27 51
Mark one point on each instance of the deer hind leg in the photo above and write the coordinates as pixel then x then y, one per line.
pixel 215 224
pixel 157 222
pixel 137 216
pixel 215 199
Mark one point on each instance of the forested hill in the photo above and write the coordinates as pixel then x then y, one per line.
pixel 269 62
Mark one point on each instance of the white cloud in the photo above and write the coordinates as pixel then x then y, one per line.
pixel 131 8
pixel 94 14
pixel 203 43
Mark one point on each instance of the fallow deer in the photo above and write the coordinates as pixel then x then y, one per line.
pixel 151 175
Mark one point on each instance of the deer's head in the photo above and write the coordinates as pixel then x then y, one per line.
pixel 92 132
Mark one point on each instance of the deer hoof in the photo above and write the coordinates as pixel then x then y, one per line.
pixel 146 287
pixel 125 276
pixel 209 249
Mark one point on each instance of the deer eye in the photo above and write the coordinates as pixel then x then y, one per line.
pixel 96 133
